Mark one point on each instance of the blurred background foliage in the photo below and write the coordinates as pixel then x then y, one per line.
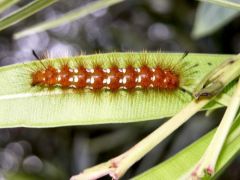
pixel 133 25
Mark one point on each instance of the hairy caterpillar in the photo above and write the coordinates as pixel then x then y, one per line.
pixel 113 78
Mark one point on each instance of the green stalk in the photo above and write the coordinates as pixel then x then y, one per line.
pixel 208 161
pixel 67 18
pixel 117 167
pixel 5 4
pixel 224 3
pixel 24 12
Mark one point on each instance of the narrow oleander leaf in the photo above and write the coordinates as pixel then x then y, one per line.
pixel 24 12
pixel 5 4
pixel 182 162
pixel 24 105
pixel 227 4
pixel 210 18
pixel 67 18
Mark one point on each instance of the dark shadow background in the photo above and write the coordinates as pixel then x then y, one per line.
pixel 134 25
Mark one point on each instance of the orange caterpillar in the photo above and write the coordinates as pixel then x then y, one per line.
pixel 113 78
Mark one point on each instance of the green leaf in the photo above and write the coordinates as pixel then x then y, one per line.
pixel 210 18
pixel 66 18
pixel 227 4
pixel 182 162
pixel 5 4
pixel 24 12
pixel 24 105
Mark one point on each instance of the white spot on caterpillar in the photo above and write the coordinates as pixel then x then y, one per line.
pixel 105 81
pixel 70 79
pixel 124 80
pixel 75 71
pixel 90 70
pixel 108 80
pixel 106 70
pixel 75 79
pixel 92 80
pixel 137 69
pixel 138 79
pixel 153 78
pixel 88 80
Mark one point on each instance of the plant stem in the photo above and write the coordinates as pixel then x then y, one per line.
pixel 209 159
pixel 224 3
pixel 148 143
pixel 5 4
pixel 68 17
pixel 119 165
